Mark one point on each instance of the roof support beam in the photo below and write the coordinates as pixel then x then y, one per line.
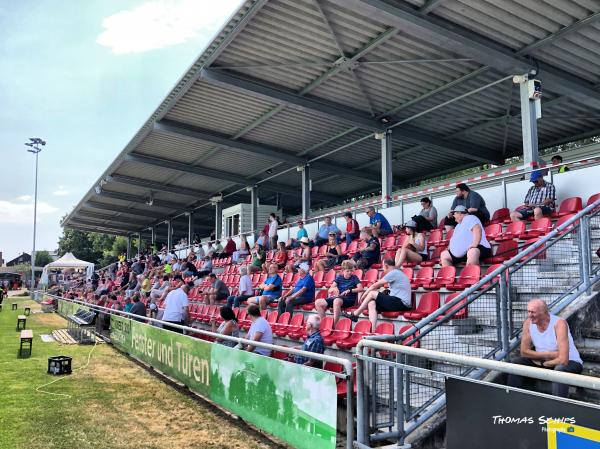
pixel 116 227
pixel 159 187
pixel 123 210
pixel 470 44
pixel 225 176
pixel 277 154
pixel 288 98
pixel 118 219
pixel 82 228
pixel 140 199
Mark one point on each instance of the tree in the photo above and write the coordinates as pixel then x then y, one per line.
pixel 42 258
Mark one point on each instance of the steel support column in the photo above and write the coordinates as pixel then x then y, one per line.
pixel 169 235
pixel 128 247
pixel 254 210
pixel 190 216
pixel 139 245
pixel 528 125
pixel 386 169
pixel 306 187
pixel 218 220
pixel 152 237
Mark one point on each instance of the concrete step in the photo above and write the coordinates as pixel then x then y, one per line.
pixel 589 355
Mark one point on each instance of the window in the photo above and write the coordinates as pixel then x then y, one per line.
pixel 232 225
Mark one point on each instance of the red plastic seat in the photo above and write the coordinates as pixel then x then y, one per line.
pixel 287 280
pixel 500 215
pixel 454 311
pixel 341 331
pixel 595 197
pixel 314 252
pixel 423 277
pixel 490 269
pixel 328 279
pixel 435 257
pixel 539 227
pixel 469 276
pixel 446 240
pixel 445 276
pixel 564 219
pixel 362 329
pixel 569 206
pixel 435 237
pixel 428 304
pixel 408 272
pixel 370 277
pixel 506 250
pixel 416 344
pixel 389 243
pixel 318 278
pixel 326 326
pixel 492 231
pixel 514 230
pixel 352 248
pixel 241 316
pixel 294 328
pixel 282 321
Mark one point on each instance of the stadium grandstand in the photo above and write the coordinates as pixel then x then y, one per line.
pixel 319 151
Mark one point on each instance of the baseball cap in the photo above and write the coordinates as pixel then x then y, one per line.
pixel 410 224
pixel 304 266
pixel 460 208
pixel 535 176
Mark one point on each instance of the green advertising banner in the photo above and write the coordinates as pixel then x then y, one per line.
pixel 178 356
pixel 293 402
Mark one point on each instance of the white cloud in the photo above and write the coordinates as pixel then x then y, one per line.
pixel 61 191
pixel 17 213
pixel 161 23
pixel 24 198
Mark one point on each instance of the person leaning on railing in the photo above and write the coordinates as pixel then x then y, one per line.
pixel 546 343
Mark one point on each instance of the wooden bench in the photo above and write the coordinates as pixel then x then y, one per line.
pixel 14 306
pixel 21 319
pixel 26 338
pixel 27 311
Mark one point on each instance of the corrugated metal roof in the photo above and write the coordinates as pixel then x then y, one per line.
pixel 309 74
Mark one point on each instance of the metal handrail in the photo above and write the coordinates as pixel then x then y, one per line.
pixel 490 277
pixel 577 380
pixel 348 375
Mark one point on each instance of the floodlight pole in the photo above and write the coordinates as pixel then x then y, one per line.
pixel 34 145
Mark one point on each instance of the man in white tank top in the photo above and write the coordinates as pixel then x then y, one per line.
pixel 546 343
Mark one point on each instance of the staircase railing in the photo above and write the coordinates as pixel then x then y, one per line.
pixel 558 267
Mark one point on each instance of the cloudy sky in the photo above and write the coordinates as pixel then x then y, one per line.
pixel 84 76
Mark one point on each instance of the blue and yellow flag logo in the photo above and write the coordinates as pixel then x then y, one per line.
pixel 570 436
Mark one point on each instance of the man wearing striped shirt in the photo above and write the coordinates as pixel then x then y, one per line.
pixel 539 201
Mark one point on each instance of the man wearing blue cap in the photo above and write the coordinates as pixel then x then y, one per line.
pixel 539 201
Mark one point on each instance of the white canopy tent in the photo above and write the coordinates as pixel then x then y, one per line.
pixel 67 261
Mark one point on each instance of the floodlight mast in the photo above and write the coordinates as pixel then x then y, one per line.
pixel 34 147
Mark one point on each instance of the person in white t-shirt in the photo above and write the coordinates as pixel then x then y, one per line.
pixel 273 237
pixel 468 243
pixel 260 330
pixel 177 305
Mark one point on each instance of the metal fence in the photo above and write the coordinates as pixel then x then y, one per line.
pixel 485 320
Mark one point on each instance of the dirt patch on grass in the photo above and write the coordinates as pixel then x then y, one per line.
pixel 48 320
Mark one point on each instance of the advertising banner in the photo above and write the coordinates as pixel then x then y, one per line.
pixel 292 402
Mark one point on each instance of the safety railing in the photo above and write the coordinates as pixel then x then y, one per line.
pixel 347 375
pixel 405 363
pixel 485 319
